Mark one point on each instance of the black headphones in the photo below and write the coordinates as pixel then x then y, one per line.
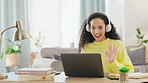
pixel 108 26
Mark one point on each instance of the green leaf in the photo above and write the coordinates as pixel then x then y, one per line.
pixel 142 36
pixel 138 36
pixel 11 50
pixel 1 55
pixel 7 51
pixel 18 51
pixel 145 41
pixel 138 30
pixel 124 69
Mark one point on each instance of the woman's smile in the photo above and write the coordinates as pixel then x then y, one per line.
pixel 98 36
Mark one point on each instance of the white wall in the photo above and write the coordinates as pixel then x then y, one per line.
pixel 136 14
pixel 128 14
pixel 115 11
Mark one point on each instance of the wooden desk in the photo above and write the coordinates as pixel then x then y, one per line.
pixel 12 78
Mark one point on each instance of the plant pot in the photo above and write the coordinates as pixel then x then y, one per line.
pixel 123 77
pixel 11 60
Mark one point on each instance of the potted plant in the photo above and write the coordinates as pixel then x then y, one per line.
pixel 39 41
pixel 140 37
pixel 123 75
pixel 12 52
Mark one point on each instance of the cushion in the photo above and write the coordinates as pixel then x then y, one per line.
pixel 137 55
pixel 48 52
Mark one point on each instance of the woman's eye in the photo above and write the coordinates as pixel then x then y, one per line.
pixel 92 27
pixel 100 27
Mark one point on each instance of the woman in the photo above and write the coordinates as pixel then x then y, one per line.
pixel 99 36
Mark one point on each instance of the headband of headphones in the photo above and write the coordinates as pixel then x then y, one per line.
pixel 108 26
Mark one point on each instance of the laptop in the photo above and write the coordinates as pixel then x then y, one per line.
pixel 82 64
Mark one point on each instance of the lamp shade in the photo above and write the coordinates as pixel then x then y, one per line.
pixel 21 33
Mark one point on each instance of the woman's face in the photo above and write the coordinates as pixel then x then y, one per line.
pixel 97 28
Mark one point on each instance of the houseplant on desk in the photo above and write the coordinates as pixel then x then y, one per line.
pixel 123 75
pixel 12 53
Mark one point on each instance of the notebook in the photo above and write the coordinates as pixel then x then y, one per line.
pixel 82 65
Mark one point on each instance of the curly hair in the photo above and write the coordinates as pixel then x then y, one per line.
pixel 86 37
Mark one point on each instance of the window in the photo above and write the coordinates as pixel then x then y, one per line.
pixel 57 20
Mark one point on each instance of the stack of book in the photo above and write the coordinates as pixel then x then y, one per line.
pixel 35 74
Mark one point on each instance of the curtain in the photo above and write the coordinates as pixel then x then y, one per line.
pixel 10 11
pixel 45 17
pixel 70 21
pixel 57 20
pixel 89 6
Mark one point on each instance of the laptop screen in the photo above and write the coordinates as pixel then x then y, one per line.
pixel 82 64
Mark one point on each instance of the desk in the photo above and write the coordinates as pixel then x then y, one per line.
pixel 12 78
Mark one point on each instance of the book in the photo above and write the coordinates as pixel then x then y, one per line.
pixel 49 77
pixel 34 71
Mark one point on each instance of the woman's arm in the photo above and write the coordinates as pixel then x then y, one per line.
pixel 121 59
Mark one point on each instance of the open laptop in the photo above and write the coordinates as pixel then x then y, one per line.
pixel 82 64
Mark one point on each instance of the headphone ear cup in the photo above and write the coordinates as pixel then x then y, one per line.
pixel 108 28
pixel 87 28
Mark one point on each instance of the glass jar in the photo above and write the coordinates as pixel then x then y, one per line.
pixel 123 77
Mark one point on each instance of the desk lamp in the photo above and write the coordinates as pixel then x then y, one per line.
pixel 20 33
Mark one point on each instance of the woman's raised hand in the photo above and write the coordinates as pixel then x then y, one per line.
pixel 112 52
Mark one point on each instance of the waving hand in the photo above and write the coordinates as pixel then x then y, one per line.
pixel 112 52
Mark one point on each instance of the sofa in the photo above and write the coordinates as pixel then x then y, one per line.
pixel 50 57
pixel 138 56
